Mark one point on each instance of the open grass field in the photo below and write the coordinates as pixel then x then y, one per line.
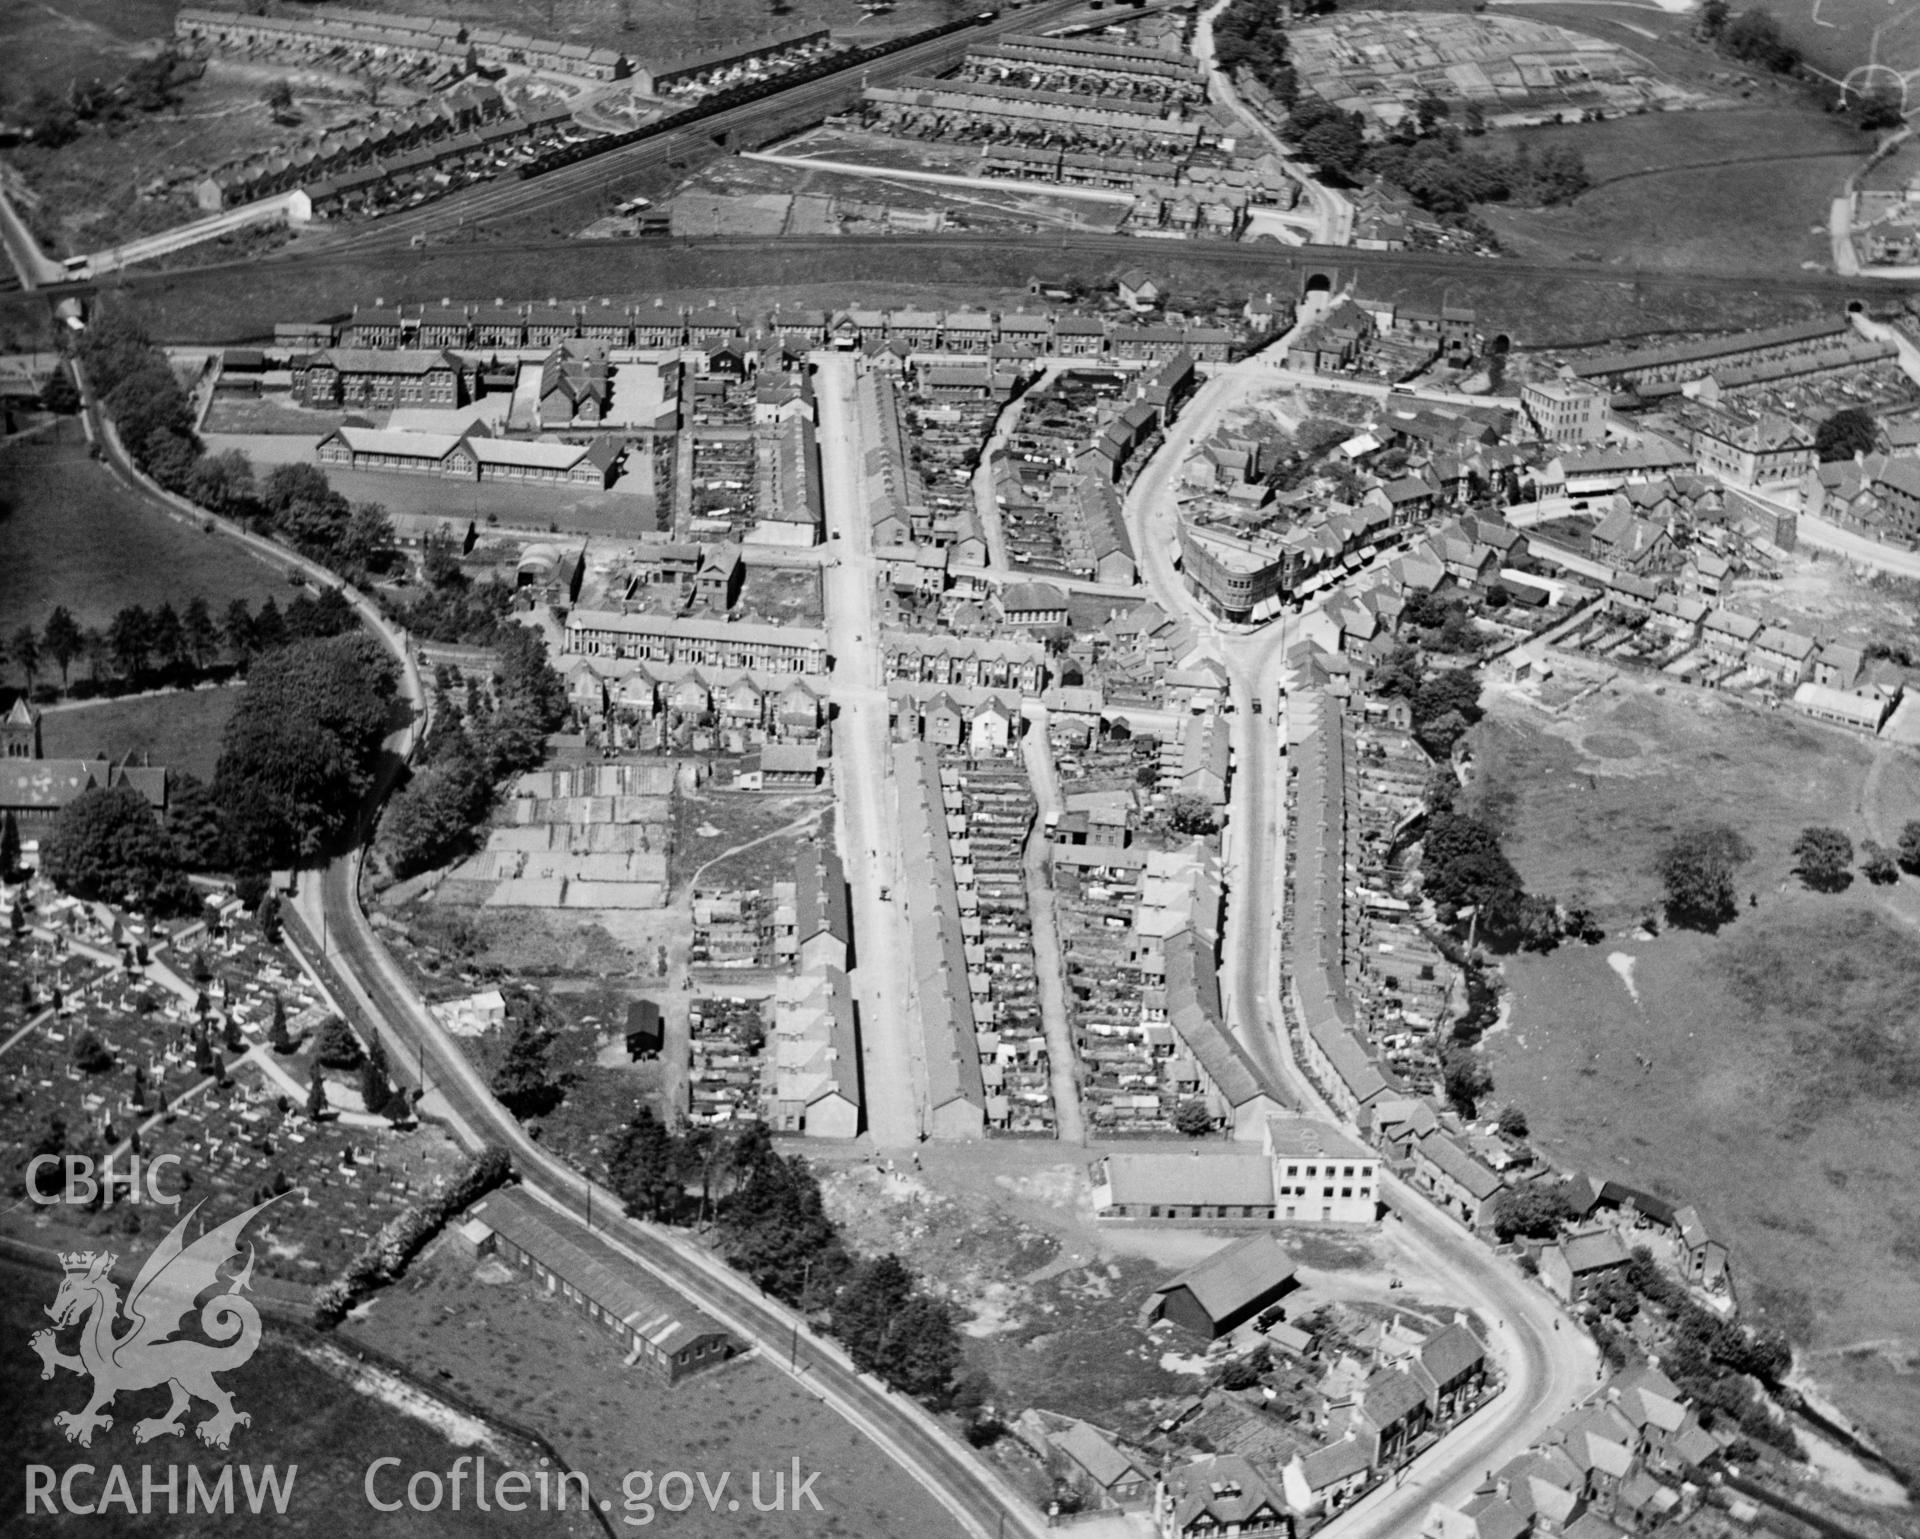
pixel 180 729
pixel 538 1361
pixel 1588 797
pixel 572 509
pixel 1696 190
pixel 302 1416
pixel 70 534
pixel 1783 1093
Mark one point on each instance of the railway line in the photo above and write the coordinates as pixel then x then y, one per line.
pixel 508 199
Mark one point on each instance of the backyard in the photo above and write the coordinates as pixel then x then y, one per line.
pixel 1770 1073
pixel 70 534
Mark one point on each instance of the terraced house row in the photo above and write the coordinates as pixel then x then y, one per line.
pixel 391 35
pixel 474 121
pixel 479 323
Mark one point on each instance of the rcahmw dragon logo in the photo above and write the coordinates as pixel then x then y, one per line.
pixel 150 1351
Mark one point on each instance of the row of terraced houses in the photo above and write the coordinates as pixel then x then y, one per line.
pixel 496 323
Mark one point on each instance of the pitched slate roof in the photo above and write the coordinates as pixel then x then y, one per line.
pixel 1230 1280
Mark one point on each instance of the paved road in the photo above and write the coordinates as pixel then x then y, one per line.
pixel 29 263
pixel 896 1077
pixel 1820 533
pixel 976 1496
pixel 367 981
pixel 1333 214
pixel 1548 1362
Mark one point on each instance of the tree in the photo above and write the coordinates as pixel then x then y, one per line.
pixel 108 846
pixel 278 1037
pixel 169 636
pixel 130 637
pixel 1824 858
pixel 1877 864
pixel 316 1095
pixel 644 1169
pixel 432 818
pixel 299 751
pixel 90 1054
pixel 1848 432
pixel 1512 1122
pixel 1336 147
pixel 278 95
pixel 1697 868
pixel 235 1041
pixel 1467 1078
pixel 10 860
pixel 224 483
pixel 236 629
pixel 376 1087
pixel 923 1350
pixel 774 1227
pixel 63 639
pixel 1534 1212
pixel 1755 38
pixel 1713 18
pixel 1192 1118
pixel 25 647
pixel 60 394
pixel 1192 815
pixel 1909 851
pixel 524 1081
pixel 367 542
pixel 867 1308
pixel 337 1047
pixel 199 638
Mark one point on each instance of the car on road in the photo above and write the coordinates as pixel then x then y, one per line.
pixel 1259 707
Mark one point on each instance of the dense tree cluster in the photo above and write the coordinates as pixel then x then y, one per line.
pixel 1466 1078
pixel 300 749
pixel 1848 432
pixel 1754 37
pixel 473 747
pixel 1824 858
pixel 1696 868
pixel 1430 159
pixel 774 1229
pixel 143 648
pixel 1445 701
pixel 1531 1212
pixel 110 846
pixel 137 385
pixel 1709 1359
pixel 1251 35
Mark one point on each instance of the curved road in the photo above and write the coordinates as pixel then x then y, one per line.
pixel 361 969
pixel 1548 1361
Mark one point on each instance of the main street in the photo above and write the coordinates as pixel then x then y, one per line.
pixel 896 1075
pixel 1548 1362
pixel 367 982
